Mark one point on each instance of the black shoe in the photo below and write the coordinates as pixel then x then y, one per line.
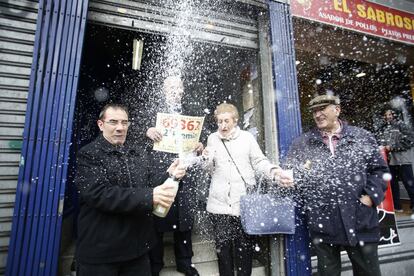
pixel 188 271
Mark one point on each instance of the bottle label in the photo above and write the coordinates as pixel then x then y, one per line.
pixel 161 209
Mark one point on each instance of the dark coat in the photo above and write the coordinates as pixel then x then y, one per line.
pixel 330 187
pixel 397 135
pixel 400 137
pixel 181 214
pixel 116 201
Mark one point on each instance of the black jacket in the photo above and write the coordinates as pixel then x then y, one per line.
pixel 331 186
pixel 116 201
pixel 181 214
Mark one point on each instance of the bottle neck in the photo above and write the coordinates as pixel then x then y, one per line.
pixel 173 178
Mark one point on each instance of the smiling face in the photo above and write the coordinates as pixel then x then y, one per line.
pixel 226 123
pixel 114 125
pixel 326 117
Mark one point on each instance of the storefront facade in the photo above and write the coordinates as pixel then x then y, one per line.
pixel 40 97
pixel 51 92
pixel 363 51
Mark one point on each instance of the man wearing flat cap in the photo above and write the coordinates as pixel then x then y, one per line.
pixel 338 173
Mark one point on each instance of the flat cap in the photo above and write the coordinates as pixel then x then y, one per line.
pixel 323 100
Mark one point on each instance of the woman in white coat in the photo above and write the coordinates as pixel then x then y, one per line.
pixel 233 158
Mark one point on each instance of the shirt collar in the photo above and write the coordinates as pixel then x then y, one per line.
pixel 108 147
pixel 336 134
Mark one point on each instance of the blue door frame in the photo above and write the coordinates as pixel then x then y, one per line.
pixel 35 238
pixel 297 254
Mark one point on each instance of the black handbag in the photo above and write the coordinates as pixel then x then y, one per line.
pixel 264 214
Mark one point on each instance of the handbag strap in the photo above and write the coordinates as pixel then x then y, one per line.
pixel 231 157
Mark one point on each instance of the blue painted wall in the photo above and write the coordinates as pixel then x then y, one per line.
pixel 289 121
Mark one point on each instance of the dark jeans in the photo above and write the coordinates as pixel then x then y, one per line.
pixel 402 173
pixel 139 266
pixel 183 251
pixel 364 259
pixel 234 247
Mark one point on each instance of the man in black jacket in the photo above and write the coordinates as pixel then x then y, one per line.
pixel 116 200
pixel 180 217
pixel 338 170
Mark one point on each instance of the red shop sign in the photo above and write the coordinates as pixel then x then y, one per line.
pixel 360 16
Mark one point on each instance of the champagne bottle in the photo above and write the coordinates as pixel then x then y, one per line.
pixel 161 211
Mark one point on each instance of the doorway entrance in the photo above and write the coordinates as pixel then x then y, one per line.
pixel 212 74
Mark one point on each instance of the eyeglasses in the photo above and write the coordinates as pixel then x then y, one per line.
pixel 124 123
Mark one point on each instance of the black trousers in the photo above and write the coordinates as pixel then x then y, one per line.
pixel 364 259
pixel 234 247
pixel 139 266
pixel 402 173
pixel 183 251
